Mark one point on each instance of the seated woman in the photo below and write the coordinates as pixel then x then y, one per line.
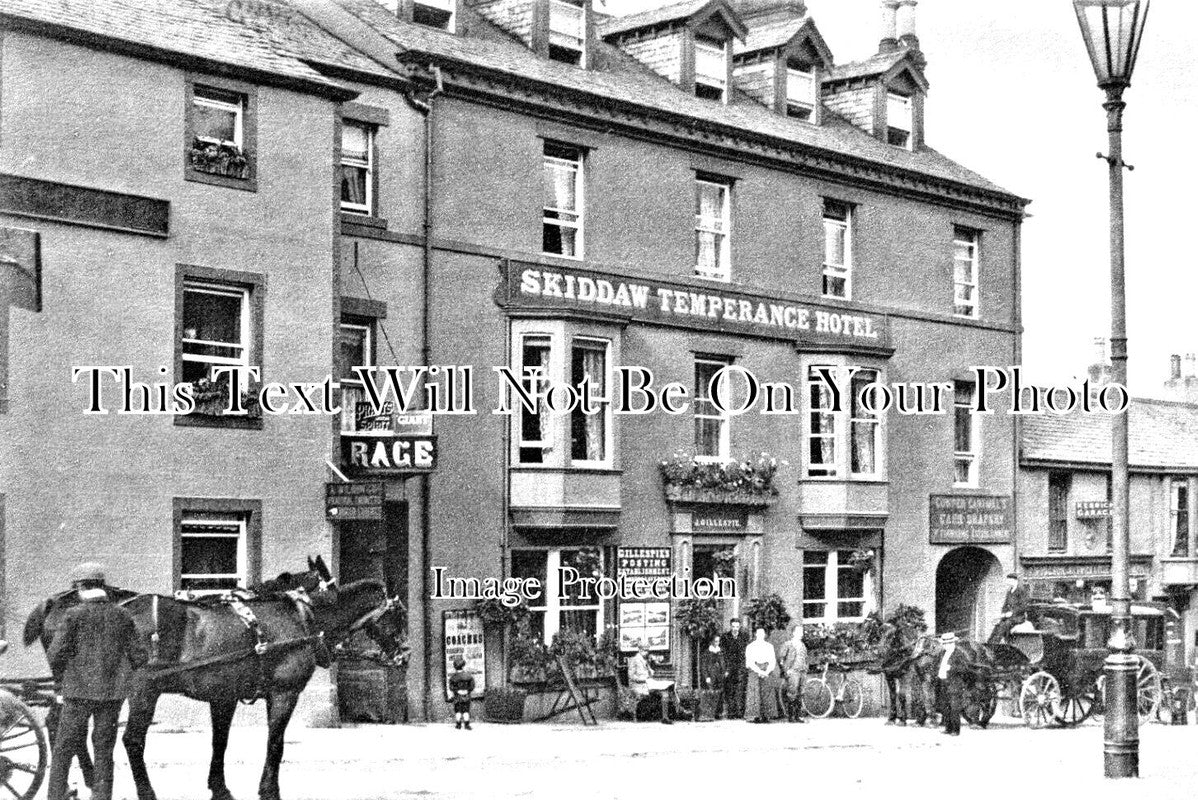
pixel 642 683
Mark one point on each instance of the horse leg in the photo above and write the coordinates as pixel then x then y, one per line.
pixel 221 713
pixel 141 713
pixel 892 696
pixel 902 700
pixel 279 707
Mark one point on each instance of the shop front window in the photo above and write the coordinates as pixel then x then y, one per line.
pixel 561 608
pixel 835 587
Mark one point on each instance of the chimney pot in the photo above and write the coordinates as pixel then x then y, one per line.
pixel 906 24
pixel 888 41
pixel 1174 366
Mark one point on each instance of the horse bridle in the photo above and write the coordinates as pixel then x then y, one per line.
pixel 366 622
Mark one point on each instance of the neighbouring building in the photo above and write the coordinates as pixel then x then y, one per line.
pixel 1064 509
pixel 522 183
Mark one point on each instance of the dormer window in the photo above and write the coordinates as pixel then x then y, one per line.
pixel 711 69
pixel 434 13
pixel 800 93
pixel 567 31
pixel 898 120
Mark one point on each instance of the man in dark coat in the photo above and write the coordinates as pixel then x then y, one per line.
pixel 951 675
pixel 733 643
pixel 1014 610
pixel 95 648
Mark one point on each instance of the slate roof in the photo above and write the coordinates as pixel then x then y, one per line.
pixel 769 35
pixel 654 16
pixel 1161 434
pixel 874 65
pixel 210 29
pixel 623 79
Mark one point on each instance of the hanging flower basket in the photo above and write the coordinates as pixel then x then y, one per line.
pixel 212 398
pixel 226 160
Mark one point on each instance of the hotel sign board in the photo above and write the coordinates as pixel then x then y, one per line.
pixel 706 307
pixel 970 519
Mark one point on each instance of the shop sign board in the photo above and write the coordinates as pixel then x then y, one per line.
pixel 970 519
pixel 358 500
pixel 647 622
pixel 1093 509
pixel 463 635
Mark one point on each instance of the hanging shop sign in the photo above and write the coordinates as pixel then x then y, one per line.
pixel 1093 509
pixel 653 301
pixel 970 519
pixel 464 637
pixel 365 454
pixel 359 500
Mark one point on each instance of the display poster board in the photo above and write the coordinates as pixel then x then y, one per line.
pixel 644 619
pixel 463 632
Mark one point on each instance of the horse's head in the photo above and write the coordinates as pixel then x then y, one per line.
pixel 316 579
pixel 364 606
pixel 389 631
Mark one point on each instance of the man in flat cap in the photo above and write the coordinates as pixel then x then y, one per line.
pixel 1014 609
pixel 95 648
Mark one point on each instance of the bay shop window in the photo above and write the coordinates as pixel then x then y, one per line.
pixel 844 442
pixel 559 608
pixel 557 353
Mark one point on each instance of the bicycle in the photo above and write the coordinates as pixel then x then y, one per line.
pixel 833 688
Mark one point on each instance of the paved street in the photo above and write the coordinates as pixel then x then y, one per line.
pixel 853 758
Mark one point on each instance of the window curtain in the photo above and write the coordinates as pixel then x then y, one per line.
pixel 594 369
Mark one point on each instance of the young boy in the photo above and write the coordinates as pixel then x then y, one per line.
pixel 461 686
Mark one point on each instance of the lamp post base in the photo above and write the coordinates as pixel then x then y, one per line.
pixel 1121 750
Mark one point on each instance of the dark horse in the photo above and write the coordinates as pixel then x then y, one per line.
pixel 923 669
pixel 44 619
pixel 896 652
pixel 206 652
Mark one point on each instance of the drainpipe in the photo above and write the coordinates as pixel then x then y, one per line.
pixel 425 106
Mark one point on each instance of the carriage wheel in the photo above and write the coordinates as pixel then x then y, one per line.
pixel 1037 697
pixel 1075 707
pixel 852 699
pixel 817 698
pixel 1149 690
pixel 23 749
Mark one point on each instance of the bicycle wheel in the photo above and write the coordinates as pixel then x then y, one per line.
pixel 852 699
pixel 817 698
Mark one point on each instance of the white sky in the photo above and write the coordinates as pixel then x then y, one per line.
pixel 1013 97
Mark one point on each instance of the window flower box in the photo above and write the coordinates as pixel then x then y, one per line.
pixel 750 482
pixel 212 398
pixel 225 160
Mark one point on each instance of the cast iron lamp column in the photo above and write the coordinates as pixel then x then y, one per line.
pixel 1112 31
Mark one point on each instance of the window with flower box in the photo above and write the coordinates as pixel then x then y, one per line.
pixel 561 608
pixel 220 133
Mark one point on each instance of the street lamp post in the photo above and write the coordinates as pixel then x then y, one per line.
pixel 1112 31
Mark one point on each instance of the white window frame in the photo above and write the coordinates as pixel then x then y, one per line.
pixel 724 418
pixel 576 166
pixel 843 421
pixel 602 399
pixel 198 98
pixel 720 226
pixel 368 164
pixel 224 290
pixel 865 418
pixel 353 391
pixel 242 534
pixel 843 271
pixel 903 108
pixel 971 240
pixel 832 598
pixel 835 470
pixel 550 601
pixel 972 457
pixel 548 374
pixel 707 54
pixel 805 99
pixel 568 39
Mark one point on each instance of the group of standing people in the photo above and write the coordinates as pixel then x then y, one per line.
pixel 751 679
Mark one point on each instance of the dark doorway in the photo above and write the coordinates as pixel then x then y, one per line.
pixel 968 586
pixel 370 692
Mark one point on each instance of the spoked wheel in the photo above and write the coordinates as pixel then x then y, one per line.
pixel 1074 707
pixel 980 704
pixel 1149 690
pixel 852 699
pixel 1038 696
pixel 817 698
pixel 23 749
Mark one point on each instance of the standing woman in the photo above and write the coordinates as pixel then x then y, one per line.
pixel 761 662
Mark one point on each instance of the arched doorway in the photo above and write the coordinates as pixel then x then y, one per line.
pixel 968 591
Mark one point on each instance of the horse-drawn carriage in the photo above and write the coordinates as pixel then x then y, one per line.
pixel 1051 669
pixel 24 746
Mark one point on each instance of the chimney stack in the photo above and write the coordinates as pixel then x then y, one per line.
pixel 888 42
pixel 905 25
pixel 1174 367
pixel 1190 359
